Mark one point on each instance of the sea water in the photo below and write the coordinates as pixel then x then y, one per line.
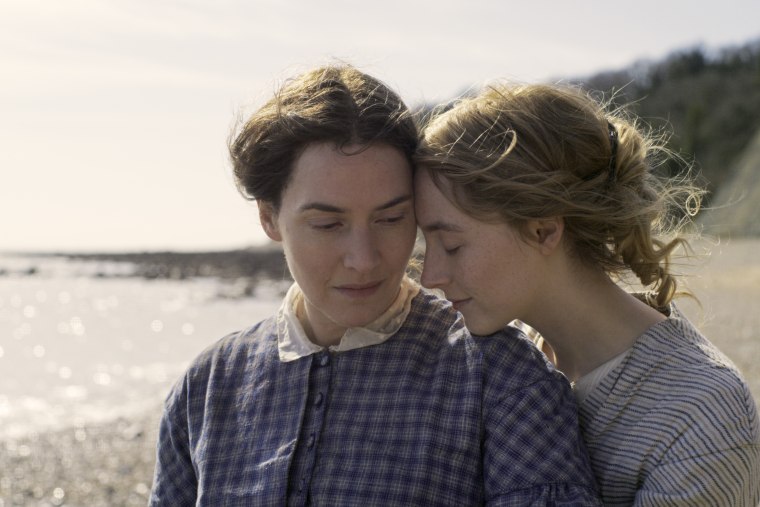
pixel 85 342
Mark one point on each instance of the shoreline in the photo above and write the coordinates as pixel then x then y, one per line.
pixel 111 463
pixel 253 263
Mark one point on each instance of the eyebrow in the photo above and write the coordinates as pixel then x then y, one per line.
pixel 441 226
pixel 329 208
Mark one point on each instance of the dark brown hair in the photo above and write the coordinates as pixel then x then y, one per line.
pixel 336 104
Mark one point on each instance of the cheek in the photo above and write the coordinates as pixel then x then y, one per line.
pixel 486 270
pixel 306 259
pixel 511 275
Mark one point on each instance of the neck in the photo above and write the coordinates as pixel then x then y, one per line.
pixel 587 324
pixel 324 335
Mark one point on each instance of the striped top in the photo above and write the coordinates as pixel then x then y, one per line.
pixel 674 424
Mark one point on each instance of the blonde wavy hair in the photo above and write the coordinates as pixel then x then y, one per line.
pixel 520 152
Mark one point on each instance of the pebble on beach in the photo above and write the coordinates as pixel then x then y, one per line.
pixel 104 465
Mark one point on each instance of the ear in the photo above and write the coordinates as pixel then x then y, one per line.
pixel 546 233
pixel 268 219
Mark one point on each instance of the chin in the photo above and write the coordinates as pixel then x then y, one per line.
pixel 480 328
pixel 361 319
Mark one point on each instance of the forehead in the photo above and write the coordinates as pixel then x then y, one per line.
pixel 437 214
pixel 349 176
pixel 432 203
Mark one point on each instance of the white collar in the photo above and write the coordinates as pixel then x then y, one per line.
pixel 292 342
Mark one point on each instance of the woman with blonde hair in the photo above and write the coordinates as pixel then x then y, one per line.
pixel 533 201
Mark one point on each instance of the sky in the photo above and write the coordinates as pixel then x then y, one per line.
pixel 114 114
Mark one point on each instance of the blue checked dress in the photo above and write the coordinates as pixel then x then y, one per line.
pixel 430 417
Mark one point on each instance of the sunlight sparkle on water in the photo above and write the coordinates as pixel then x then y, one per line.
pixel 84 350
pixel 102 378
pixel 22 331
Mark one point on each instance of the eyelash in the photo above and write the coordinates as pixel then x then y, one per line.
pixel 326 227
pixel 335 225
pixel 392 220
pixel 452 251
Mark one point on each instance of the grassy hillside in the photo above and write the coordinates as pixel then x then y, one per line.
pixel 708 100
pixel 735 210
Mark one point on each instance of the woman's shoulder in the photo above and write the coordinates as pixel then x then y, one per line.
pixel 235 351
pixel 513 362
pixel 507 355
pixel 512 343
pixel 675 349
pixel 680 375
pixel 222 372
pixel 432 316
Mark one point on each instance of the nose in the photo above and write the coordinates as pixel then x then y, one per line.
pixel 433 273
pixel 362 252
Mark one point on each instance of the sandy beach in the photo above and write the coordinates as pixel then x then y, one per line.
pixel 112 464
pixel 726 281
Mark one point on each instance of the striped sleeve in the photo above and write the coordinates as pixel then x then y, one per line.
pixel 727 477
pixel 714 458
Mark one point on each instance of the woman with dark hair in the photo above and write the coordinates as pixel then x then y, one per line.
pixel 533 201
pixel 363 389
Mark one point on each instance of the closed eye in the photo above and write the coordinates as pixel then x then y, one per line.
pixel 331 226
pixel 392 220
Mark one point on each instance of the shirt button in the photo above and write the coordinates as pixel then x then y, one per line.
pixel 318 399
pixel 324 360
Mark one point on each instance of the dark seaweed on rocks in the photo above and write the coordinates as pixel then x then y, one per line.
pixel 264 262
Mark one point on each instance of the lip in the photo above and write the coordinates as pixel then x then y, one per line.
pixel 359 290
pixel 459 303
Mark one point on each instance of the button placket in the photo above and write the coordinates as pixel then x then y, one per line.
pixel 304 459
